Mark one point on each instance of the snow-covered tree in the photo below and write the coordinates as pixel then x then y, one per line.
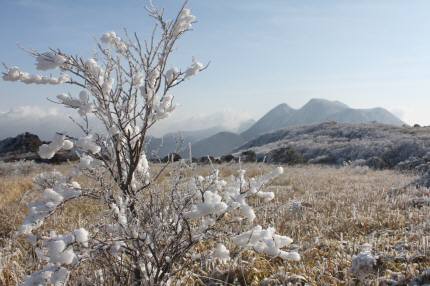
pixel 149 229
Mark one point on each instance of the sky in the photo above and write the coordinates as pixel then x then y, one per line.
pixel 364 53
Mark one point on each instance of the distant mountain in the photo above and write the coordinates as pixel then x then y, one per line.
pixel 178 141
pixel 379 115
pixel 318 111
pixel 217 145
pixel 315 111
pixel 245 125
pixel 275 119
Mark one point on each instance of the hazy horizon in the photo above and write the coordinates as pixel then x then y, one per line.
pixel 365 54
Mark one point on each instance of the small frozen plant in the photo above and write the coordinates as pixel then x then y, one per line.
pixel 364 263
pixel 149 229
pixel 296 207
pixel 221 253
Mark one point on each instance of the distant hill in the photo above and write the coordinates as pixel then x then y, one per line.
pixel 217 145
pixel 245 125
pixel 379 115
pixel 373 144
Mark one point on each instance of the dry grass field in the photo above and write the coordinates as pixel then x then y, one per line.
pixel 329 212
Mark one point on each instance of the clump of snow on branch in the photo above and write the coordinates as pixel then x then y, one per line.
pixel 87 143
pixel 16 74
pixel 58 252
pixel 82 104
pixel 47 151
pixel 221 253
pixel 112 39
pixel 47 204
pixel 194 69
pixel 49 275
pixel 163 107
pixel 49 60
pixel 266 241
pixel 184 21
pixel 212 205
pixel 172 74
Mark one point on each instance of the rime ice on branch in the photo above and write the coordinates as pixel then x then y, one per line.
pixel 153 227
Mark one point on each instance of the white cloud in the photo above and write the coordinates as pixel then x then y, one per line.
pixel 227 119
pixel 399 112
pixel 43 122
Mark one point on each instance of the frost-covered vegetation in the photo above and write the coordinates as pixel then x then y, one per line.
pixel 18 168
pixel 349 225
pixel 113 218
pixel 147 229
pixel 375 145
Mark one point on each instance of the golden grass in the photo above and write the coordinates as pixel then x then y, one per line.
pixel 342 208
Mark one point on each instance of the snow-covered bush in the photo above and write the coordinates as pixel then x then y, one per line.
pixel 18 168
pixel 149 229
pixel 364 263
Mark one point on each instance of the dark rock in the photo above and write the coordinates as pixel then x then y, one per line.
pixel 23 143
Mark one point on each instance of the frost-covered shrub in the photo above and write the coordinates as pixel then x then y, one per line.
pixel 381 146
pixel 18 168
pixel 287 155
pixel 48 180
pixel 364 263
pixel 150 228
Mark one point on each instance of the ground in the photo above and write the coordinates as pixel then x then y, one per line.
pixel 329 212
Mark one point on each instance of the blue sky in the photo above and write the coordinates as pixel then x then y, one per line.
pixel 364 53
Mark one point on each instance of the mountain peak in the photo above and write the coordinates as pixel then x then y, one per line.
pixel 270 121
pixel 324 102
pixel 317 110
pixel 282 106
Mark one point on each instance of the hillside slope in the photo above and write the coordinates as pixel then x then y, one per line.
pixel 275 119
pixel 376 145
pixel 217 145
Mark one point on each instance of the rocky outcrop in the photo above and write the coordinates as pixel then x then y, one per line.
pixel 25 147
pixel 23 143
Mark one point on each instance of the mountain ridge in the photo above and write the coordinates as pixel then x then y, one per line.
pixel 318 110
pixel 217 141
pixel 315 111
